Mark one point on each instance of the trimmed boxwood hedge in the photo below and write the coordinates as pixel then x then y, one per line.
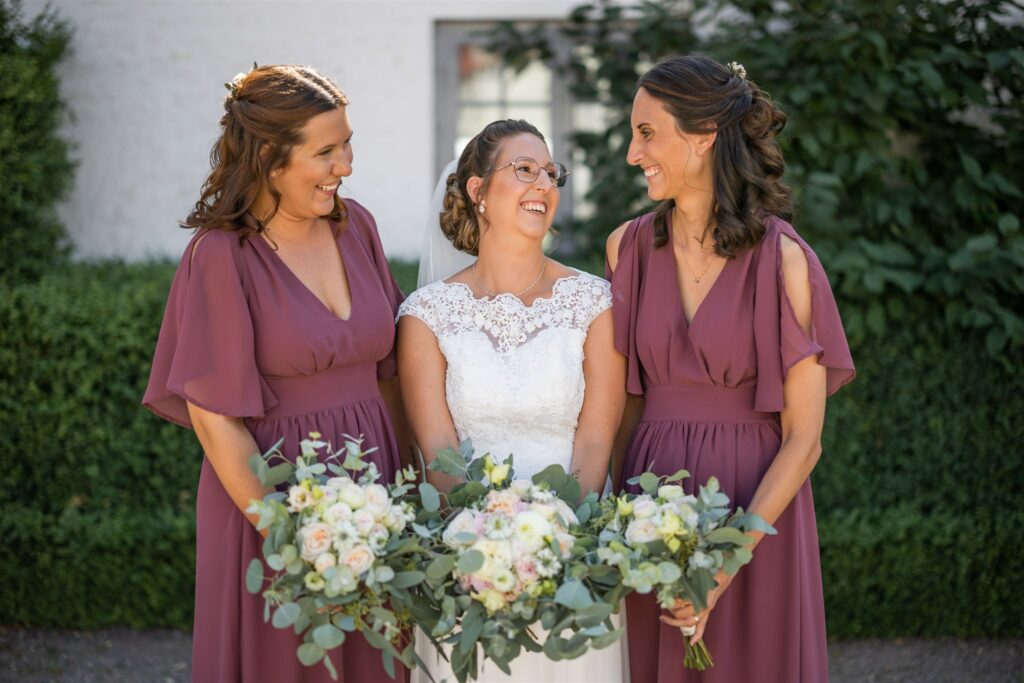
pixel 919 494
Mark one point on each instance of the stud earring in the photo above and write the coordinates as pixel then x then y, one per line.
pixel 482 207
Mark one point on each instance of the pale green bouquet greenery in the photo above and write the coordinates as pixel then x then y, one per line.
pixel 339 544
pixel 503 556
pixel 666 541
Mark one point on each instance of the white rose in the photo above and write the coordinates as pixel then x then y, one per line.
pixel 358 559
pixel 504 580
pixel 337 513
pixel 352 495
pixel 641 531
pixel 520 487
pixel 464 522
pixel 325 562
pixel 316 539
pixel 337 483
pixel 363 521
pixel 670 492
pixel 377 499
pixel 644 508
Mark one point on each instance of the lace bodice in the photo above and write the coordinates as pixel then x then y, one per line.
pixel 514 382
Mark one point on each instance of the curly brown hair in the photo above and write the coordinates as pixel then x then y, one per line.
pixel 704 96
pixel 459 220
pixel 264 115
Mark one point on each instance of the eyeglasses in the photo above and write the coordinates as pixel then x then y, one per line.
pixel 528 170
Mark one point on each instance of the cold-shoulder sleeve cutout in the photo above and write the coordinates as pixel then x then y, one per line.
pixel 205 353
pixel 361 219
pixel 781 338
pixel 626 283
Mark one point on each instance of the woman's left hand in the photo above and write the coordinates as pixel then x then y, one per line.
pixel 683 614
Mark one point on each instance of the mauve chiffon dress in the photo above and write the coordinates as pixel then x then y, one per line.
pixel 712 393
pixel 243 337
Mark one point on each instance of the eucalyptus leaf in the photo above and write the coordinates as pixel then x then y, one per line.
pixel 470 561
pixel 574 595
pixel 254 576
pixel 408 579
pixel 441 567
pixel 429 497
pixel 328 636
pixel 310 653
pixel 649 482
pixel 286 614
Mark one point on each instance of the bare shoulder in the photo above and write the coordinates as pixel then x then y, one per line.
pixel 794 260
pixel 613 242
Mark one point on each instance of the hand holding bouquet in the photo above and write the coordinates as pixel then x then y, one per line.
pixel 341 549
pixel 673 544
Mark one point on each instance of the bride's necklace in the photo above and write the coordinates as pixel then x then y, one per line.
pixel 491 294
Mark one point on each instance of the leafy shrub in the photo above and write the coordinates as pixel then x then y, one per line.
pixel 35 168
pixel 906 132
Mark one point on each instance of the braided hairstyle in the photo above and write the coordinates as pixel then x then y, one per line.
pixel 264 114
pixel 460 219
pixel 704 96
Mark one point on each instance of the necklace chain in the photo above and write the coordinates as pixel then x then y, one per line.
pixel 489 293
pixel 696 278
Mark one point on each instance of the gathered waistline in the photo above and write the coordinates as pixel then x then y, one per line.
pixel 301 394
pixel 702 403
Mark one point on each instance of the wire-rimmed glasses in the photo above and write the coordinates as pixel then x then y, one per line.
pixel 528 170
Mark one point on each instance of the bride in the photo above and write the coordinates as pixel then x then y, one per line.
pixel 514 351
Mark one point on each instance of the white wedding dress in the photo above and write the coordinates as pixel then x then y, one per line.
pixel 514 384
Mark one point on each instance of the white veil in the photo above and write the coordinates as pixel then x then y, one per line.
pixel 439 259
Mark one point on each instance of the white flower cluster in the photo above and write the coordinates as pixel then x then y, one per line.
pixel 343 527
pixel 522 533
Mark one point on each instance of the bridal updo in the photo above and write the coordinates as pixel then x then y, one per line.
pixel 703 96
pixel 461 218
pixel 265 111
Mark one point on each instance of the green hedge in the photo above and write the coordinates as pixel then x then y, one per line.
pixel 920 493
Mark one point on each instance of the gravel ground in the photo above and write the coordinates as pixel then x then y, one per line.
pixel 126 656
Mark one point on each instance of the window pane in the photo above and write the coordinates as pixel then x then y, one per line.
pixel 479 74
pixel 586 116
pixel 533 84
pixel 471 121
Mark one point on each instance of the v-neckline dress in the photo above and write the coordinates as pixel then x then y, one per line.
pixel 712 393
pixel 242 336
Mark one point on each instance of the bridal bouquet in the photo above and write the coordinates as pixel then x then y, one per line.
pixel 502 558
pixel 341 549
pixel 673 544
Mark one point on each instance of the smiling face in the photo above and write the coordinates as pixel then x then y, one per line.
pixel 510 203
pixel 673 162
pixel 315 168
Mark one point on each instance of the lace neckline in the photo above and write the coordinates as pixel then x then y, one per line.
pixel 504 296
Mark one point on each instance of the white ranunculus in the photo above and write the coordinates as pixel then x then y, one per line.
pixel 377 499
pixel 358 559
pixel 531 528
pixel 325 562
pixel 504 580
pixel 641 531
pixel 644 508
pixel 316 539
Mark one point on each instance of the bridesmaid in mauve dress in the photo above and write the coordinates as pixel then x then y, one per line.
pixel 274 331
pixel 733 346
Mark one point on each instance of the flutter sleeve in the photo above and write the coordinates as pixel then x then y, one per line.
pixel 205 353
pixel 362 220
pixel 780 338
pixel 626 283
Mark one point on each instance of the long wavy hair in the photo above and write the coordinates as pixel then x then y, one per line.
pixel 460 221
pixel 264 115
pixel 704 96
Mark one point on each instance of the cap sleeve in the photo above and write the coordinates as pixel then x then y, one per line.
pixel 780 338
pixel 360 219
pixel 626 283
pixel 422 306
pixel 205 353
pixel 595 298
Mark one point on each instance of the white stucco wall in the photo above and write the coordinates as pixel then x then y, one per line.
pixel 145 89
